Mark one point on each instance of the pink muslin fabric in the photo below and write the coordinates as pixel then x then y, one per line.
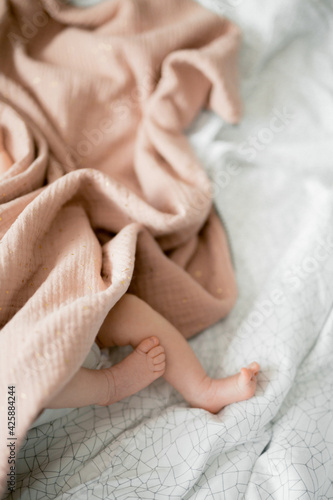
pixel 105 195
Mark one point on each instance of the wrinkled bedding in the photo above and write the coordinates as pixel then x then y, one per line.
pixel 273 185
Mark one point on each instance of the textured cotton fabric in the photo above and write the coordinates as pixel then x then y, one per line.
pixel 105 195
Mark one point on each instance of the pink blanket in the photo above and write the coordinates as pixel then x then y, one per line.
pixel 105 194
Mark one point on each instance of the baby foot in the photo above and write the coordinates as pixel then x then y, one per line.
pixel 217 393
pixel 144 365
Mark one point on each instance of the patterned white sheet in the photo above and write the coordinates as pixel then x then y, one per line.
pixel 273 176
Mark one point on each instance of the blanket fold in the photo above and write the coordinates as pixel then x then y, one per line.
pixel 93 107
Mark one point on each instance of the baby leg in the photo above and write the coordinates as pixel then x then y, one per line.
pixel 106 386
pixel 131 320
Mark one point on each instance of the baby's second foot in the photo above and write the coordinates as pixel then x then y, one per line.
pixel 217 393
pixel 144 365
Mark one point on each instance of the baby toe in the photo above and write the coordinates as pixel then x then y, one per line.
pixel 156 351
pixel 147 345
pixel 254 367
pixel 159 359
pixel 160 368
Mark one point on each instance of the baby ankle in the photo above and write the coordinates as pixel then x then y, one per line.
pixel 109 388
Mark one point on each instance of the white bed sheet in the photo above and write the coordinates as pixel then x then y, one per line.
pixel 273 180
